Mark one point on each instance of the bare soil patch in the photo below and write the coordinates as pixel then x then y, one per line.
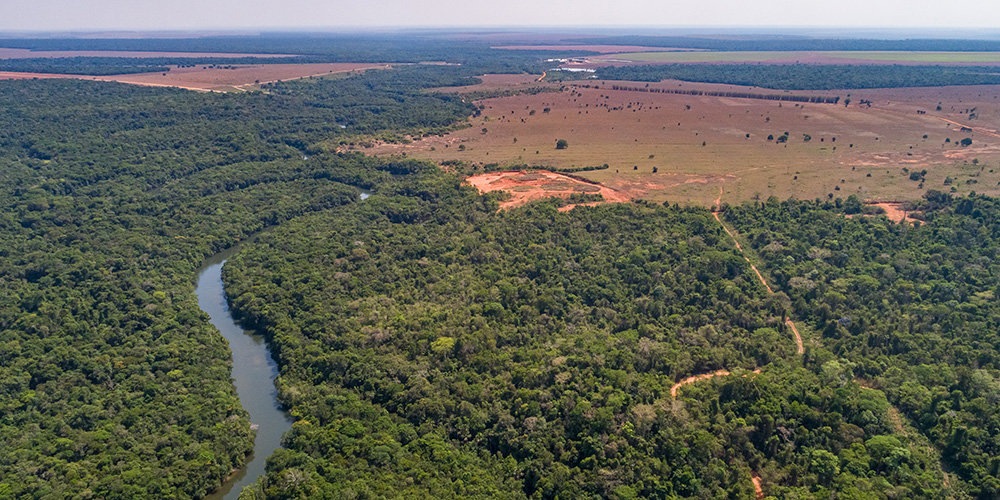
pixel 703 376
pixel 757 484
pixel 894 211
pixel 528 186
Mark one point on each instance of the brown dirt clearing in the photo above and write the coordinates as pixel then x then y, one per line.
pixel 527 186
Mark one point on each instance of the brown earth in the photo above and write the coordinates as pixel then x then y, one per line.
pixel 757 485
pixel 527 186
pixel 866 150
pixel 703 376
pixel 6 53
pixel 240 77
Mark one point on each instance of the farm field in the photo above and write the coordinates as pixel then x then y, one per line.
pixel 804 57
pixel 700 144
pixel 238 77
pixel 9 53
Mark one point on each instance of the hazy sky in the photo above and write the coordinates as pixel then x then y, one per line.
pixel 234 14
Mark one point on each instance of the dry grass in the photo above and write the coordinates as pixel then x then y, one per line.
pixel 203 78
pixel 6 53
pixel 863 150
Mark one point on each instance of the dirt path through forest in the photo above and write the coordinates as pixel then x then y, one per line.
pixel 789 322
pixel 757 487
pixel 703 376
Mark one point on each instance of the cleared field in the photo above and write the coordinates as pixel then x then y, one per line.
pixel 699 144
pixel 527 186
pixel 203 78
pixel 6 53
pixel 806 57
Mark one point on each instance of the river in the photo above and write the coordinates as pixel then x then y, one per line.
pixel 254 371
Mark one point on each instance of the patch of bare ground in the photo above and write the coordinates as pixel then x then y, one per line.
pixel 527 186
pixel 703 376
pixel 757 485
pixel 894 211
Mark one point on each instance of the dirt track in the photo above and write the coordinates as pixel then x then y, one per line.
pixel 789 322
pixel 703 376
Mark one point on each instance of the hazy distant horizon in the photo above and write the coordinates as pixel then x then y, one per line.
pixel 554 31
pixel 261 15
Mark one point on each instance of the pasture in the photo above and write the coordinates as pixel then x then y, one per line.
pixel 882 145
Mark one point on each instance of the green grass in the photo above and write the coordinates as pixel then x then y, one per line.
pixel 927 57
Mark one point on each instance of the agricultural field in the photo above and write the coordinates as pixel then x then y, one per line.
pixel 803 57
pixel 882 145
pixel 10 53
pixel 216 78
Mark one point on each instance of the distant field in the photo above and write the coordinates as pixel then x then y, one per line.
pixel 6 53
pixel 819 57
pixel 923 57
pixel 699 144
pixel 204 78
pixel 604 49
pixel 699 57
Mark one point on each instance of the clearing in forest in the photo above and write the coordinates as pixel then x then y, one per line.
pixel 662 145
pixel 527 186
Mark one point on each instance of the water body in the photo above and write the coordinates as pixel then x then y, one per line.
pixel 254 371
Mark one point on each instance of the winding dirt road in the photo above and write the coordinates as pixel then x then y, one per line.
pixel 789 322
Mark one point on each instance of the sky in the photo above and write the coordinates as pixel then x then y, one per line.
pixel 89 15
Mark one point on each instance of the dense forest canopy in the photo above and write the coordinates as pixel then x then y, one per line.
pixel 113 384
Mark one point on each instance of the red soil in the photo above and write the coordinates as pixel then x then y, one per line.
pixel 758 489
pixel 703 376
pixel 527 186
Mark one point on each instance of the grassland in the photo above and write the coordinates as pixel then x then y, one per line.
pixel 216 78
pixel 701 144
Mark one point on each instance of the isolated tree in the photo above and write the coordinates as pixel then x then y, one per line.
pixel 562 144
pixel 966 142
